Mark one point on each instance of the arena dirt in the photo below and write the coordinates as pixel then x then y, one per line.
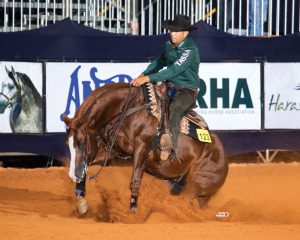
pixel 258 201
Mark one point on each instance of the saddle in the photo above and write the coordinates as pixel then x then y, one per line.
pixel 157 104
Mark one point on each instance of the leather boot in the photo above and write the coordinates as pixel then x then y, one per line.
pixel 165 146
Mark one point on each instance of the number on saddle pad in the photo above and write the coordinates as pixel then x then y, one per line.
pixel 203 135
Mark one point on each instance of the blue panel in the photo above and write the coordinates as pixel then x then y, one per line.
pixel 69 41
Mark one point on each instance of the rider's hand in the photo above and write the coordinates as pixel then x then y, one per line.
pixel 140 81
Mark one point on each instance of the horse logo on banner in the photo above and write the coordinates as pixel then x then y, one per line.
pixel 73 94
pixel 19 94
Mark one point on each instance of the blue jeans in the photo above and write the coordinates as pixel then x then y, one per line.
pixel 256 4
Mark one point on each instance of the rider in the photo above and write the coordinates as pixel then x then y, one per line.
pixel 181 61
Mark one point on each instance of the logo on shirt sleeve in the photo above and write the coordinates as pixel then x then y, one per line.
pixel 183 57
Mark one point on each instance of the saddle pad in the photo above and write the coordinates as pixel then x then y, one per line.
pixel 189 125
pixel 151 101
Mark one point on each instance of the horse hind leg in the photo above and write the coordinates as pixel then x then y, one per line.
pixel 177 185
pixel 203 200
pixel 208 174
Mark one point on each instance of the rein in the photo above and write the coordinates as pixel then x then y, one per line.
pixel 9 100
pixel 126 112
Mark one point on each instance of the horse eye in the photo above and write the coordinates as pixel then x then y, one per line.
pixel 10 87
pixel 82 145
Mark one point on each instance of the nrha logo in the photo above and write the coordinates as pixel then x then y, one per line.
pixel 222 214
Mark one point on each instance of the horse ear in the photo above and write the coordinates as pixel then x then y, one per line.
pixel 13 76
pixel 13 71
pixel 16 78
pixel 8 72
pixel 67 120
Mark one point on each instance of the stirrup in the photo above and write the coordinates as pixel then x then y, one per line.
pixel 165 146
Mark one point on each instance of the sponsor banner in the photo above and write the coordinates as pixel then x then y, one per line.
pixel 68 84
pixel 282 91
pixel 21 97
pixel 229 96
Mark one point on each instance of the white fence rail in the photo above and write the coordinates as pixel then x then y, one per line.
pixel 145 17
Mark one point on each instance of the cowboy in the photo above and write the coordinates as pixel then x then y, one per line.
pixel 180 60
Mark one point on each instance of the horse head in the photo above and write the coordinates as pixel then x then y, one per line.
pixel 82 145
pixel 10 95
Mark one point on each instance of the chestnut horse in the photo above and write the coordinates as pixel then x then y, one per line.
pixel 116 114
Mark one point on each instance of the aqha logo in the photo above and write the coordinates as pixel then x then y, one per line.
pixel 87 86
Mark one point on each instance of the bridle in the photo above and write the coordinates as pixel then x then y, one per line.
pixel 16 95
pixel 83 148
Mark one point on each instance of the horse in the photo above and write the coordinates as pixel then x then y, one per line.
pixel 114 117
pixel 20 95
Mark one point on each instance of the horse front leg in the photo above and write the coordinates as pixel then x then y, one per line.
pixel 139 163
pixel 82 204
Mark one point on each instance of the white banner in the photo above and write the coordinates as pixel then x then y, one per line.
pixel 68 84
pixel 229 96
pixel 21 97
pixel 282 91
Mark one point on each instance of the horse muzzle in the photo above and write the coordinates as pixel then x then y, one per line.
pixel 3 105
pixel 78 175
pixel 2 109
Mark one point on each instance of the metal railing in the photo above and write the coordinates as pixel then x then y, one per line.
pixel 145 17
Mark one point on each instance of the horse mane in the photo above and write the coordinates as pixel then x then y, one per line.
pixel 87 105
pixel 27 81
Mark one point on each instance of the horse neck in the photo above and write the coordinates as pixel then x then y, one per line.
pixel 29 87
pixel 29 94
pixel 110 106
pixel 29 102
pixel 102 106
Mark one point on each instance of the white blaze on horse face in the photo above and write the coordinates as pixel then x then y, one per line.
pixel 73 157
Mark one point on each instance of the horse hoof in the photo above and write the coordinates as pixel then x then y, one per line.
pixel 177 185
pixel 133 204
pixel 82 206
pixel 133 209
pixel 177 189
pixel 203 201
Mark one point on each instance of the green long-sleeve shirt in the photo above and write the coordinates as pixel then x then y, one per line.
pixel 181 62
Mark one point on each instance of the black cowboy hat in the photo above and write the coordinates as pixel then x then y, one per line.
pixel 178 24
